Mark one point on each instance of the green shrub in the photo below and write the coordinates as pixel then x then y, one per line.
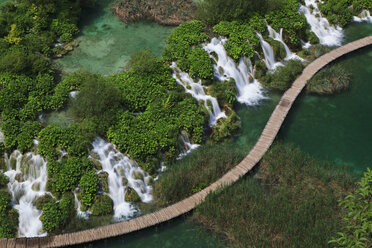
pixel 103 205
pixel 131 195
pixel 357 228
pixel 225 92
pixel 226 127
pixel 282 78
pixel 89 185
pixel 8 217
pixel 41 201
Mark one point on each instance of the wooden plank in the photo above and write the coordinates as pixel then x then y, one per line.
pixel 11 243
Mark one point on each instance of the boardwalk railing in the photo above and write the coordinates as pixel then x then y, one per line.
pixel 266 139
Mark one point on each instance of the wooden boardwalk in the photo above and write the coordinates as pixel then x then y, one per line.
pixel 266 139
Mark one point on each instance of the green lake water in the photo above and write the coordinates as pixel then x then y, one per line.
pixel 338 128
pixel 106 42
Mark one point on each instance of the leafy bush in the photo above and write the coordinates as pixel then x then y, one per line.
pixel 357 228
pixel 179 42
pixel 242 39
pixel 282 78
pixel 89 185
pixel 8 217
pixel 198 64
pixel 225 92
pixel 103 205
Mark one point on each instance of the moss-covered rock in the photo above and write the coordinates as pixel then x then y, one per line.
pixel 103 205
pixel 103 178
pixel 124 181
pixel 41 201
pixel 260 69
pixel 3 165
pixel 137 175
pixel 13 163
pixel 226 127
pixel 131 195
pixel 278 47
pixel 312 38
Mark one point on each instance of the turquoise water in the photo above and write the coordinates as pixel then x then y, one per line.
pixel 338 128
pixel 106 43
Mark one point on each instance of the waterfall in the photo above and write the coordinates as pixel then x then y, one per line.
pixel 197 91
pixel 27 181
pixel 305 45
pixel 279 37
pixel 73 94
pixel 119 169
pixel 185 145
pixel 249 89
pixel 270 62
pixel 327 34
pixel 79 213
pixel 364 16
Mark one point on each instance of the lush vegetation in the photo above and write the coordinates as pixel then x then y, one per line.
pixel 290 202
pixel 195 172
pixel 283 77
pixel 330 80
pixel 339 11
pixel 357 228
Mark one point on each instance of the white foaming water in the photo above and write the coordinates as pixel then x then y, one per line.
pixel 197 91
pixel 249 89
pixel 364 16
pixel 305 45
pixel 27 182
pixel 73 94
pixel 120 167
pixel 327 34
pixel 79 213
pixel 270 61
pixel 186 146
pixel 279 37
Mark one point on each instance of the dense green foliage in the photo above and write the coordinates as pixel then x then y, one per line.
pixel 55 215
pixel 89 185
pixel 357 229
pixel 36 25
pixel 283 77
pixel 329 80
pixel 339 11
pixel 167 110
pixel 214 11
pixel 183 45
pixel 195 172
pixel 293 196
pixel 8 217
pixel 242 40
pixel 225 92
pixel 102 205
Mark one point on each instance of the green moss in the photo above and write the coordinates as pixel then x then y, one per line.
pixel 103 205
pixel 131 195
pixel 3 166
pixel 41 201
pixel 103 178
pixel 278 47
pixel 13 163
pixel 137 175
pixel 226 127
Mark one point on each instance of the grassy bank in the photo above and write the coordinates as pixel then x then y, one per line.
pixel 290 202
pixel 196 171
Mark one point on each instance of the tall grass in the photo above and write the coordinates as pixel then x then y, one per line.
pixel 196 171
pixel 291 202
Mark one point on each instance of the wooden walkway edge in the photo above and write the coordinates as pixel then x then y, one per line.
pixel 264 142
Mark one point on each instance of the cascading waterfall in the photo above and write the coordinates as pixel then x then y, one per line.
pixel 279 37
pixel 120 168
pixel 79 213
pixel 27 181
pixel 270 61
pixel 364 16
pixel 197 91
pixel 327 34
pixel 185 145
pixel 249 89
